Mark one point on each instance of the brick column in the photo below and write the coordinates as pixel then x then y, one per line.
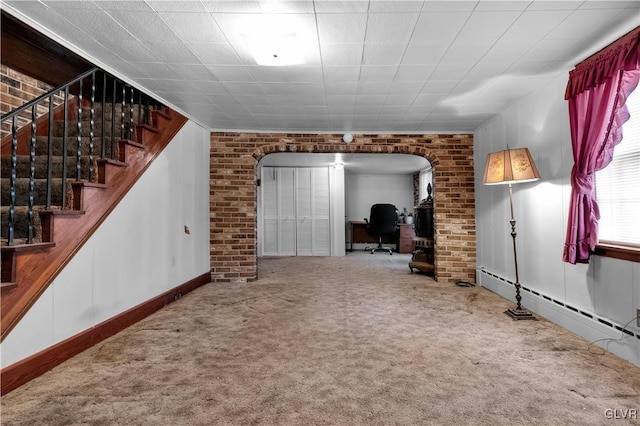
pixel 234 157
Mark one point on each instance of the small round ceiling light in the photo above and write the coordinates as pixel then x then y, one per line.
pixel 347 138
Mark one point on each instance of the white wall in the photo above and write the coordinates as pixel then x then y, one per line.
pixel 140 251
pixel 607 289
pixel 362 191
pixel 336 176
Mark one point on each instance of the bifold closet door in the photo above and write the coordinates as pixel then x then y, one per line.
pixel 279 211
pixel 295 207
pixel 312 212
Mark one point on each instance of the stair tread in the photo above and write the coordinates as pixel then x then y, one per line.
pixel 131 142
pixel 66 212
pixel 113 162
pixel 89 184
pixel 25 247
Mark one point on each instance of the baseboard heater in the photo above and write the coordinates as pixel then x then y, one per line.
pixel 589 315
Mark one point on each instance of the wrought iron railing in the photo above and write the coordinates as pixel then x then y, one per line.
pixel 119 107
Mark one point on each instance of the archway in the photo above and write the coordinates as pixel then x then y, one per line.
pixel 234 158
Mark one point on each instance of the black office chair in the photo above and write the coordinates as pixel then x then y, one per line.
pixel 382 222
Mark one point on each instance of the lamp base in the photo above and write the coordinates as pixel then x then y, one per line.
pixel 519 314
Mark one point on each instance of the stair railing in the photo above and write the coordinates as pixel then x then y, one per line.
pixel 77 94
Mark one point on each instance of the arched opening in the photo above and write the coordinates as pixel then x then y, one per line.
pixel 308 203
pixel 234 179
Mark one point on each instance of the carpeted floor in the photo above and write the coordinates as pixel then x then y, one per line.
pixel 357 340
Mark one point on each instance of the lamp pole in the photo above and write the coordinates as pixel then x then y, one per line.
pixel 519 313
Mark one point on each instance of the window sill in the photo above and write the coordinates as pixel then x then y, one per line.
pixel 618 251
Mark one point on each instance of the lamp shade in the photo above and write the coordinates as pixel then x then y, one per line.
pixel 510 166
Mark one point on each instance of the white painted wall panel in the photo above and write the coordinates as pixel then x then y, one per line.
pixel 607 288
pixel 140 251
pixel 337 213
pixel 362 191
pixel 73 297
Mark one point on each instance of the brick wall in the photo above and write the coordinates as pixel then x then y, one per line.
pixel 232 194
pixel 16 89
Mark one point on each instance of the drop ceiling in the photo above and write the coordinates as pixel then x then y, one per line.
pixel 369 66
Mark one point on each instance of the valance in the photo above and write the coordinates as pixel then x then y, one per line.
pixel 622 55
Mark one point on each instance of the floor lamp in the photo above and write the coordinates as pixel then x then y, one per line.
pixel 508 167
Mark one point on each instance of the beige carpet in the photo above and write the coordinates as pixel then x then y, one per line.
pixel 334 341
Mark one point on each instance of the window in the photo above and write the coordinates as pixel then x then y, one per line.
pixel 426 177
pixel 617 187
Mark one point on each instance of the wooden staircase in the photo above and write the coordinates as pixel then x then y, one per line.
pixel 44 245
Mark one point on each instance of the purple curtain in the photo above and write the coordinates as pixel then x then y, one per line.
pixel 597 91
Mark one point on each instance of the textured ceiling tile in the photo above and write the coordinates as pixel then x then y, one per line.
pixel 287 6
pixel 305 74
pixel 159 70
pixel 174 53
pixel 390 27
pixel 501 5
pixel 423 99
pixel 508 51
pixel 487 69
pixel 378 74
pixel 232 73
pixel 97 22
pixel 450 71
pixel 145 26
pixel 534 25
pixel 215 53
pixel 438 87
pixel 383 53
pixel 132 51
pixel 342 54
pixel 177 6
pixel 415 50
pixel 414 72
pixel 244 88
pixel 424 53
pixel 549 50
pixel 466 51
pixel 269 74
pixel 395 6
pixel 343 28
pixel 127 69
pixel 140 6
pixel 193 27
pixel 341 88
pixel 406 88
pixel 400 100
pixel 588 22
pixel 449 6
pixel 234 6
pixel 341 100
pixel 440 27
pixel 476 27
pixel 338 74
pixel 338 7
pixel 196 72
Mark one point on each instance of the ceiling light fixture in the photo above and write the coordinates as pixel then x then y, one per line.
pixel 274 41
pixel 275 49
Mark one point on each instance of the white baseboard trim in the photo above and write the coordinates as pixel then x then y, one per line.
pixel 621 341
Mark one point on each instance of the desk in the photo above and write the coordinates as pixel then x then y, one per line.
pixel 358 234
